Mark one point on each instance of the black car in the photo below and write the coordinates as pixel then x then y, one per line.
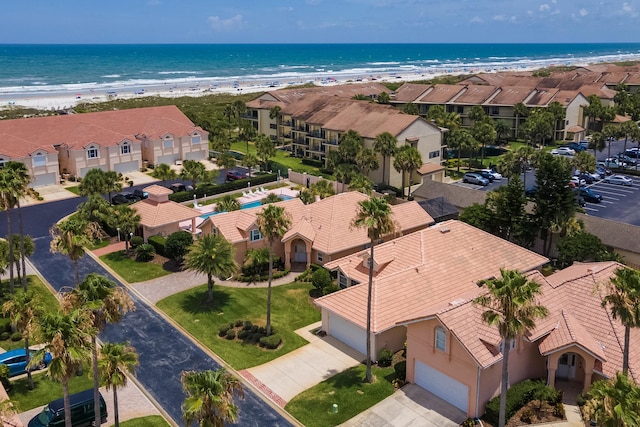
pixel 588 178
pixel 140 194
pixel 119 199
pixel 589 195
pixel 132 197
pixel 488 175
pixel 177 187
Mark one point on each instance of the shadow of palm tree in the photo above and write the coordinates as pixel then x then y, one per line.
pixel 346 379
pixel 196 302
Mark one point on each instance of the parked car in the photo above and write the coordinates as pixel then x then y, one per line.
pixel 132 197
pixel 531 191
pixel 612 162
pixel 82 411
pixel 234 175
pixel 602 171
pixel 486 175
pixel 574 146
pixel 177 187
pixel 619 180
pixel 141 194
pixel 119 199
pixel 563 151
pixel 475 178
pixel 578 182
pixel 584 144
pixel 496 175
pixel 16 360
pixel 627 159
pixel 589 178
pixel 589 195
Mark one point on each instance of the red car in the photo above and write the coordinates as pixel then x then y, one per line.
pixel 235 175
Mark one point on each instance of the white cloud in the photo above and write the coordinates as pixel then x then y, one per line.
pixel 544 7
pixel 583 12
pixel 499 18
pixel 627 10
pixel 475 20
pixel 229 24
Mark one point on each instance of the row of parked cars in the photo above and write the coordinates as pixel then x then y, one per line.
pixel 483 177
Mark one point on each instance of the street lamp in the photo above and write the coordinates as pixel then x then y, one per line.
pixel 118 228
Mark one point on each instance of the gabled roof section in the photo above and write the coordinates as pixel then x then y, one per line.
pixel 302 229
pixel 510 95
pixel 153 214
pixel 409 92
pixel 569 332
pixel 440 94
pixel 474 95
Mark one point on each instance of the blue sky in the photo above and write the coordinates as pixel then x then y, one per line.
pixel 319 21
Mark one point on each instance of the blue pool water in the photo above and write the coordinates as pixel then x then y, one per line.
pixel 254 204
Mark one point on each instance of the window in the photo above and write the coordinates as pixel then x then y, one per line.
pixel 441 339
pixel 319 256
pixel 92 153
pixel 168 143
pixel 125 148
pixel 495 111
pixel 512 345
pixel 434 154
pixel 460 109
pixel 255 235
pixel 195 139
pixel 2 162
pixel 39 160
pixel 342 280
pixel 214 231
pixel 273 126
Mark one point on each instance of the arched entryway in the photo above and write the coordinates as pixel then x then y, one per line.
pixel 570 375
pixel 299 255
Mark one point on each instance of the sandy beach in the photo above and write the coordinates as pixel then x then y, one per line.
pixel 66 100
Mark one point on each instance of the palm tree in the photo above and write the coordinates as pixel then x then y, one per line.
pixel 520 110
pixel 228 203
pixel 408 159
pixel 459 140
pixel 250 161
pixel 163 172
pixel 210 396
pixel 193 171
pixel 367 160
pixel 21 179
pixel 485 133
pixel 597 143
pixel 524 155
pixel 213 256
pixel 614 402
pixel 272 222
pixel 228 113
pixel 271 198
pixel 68 340
pixel 374 214
pixel 275 113
pixel 265 148
pixel 323 188
pixel 23 246
pixel 70 237
pixel 623 298
pixel 23 308
pixel 510 305
pixel 385 144
pixel 362 184
pixel 107 303
pixel 95 209
pixel 127 220
pixel 116 361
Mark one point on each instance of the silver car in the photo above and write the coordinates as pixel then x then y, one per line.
pixel 619 180
pixel 475 178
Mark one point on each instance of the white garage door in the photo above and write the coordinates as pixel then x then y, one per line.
pixel 196 155
pixel 348 333
pixel 169 159
pixel 443 386
pixel 45 179
pixel 125 167
pixel 84 171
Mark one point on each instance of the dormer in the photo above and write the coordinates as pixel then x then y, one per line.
pixel 125 146
pixel 167 141
pixel 196 138
pixel 39 158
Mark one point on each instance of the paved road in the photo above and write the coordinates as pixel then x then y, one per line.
pixel 164 351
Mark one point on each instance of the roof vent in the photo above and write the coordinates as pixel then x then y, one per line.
pixel 444 230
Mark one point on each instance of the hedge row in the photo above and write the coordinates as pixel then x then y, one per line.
pixel 159 244
pixel 263 278
pixel 212 189
pixel 517 396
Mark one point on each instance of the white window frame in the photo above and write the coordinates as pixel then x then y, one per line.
pixel 125 148
pixel 440 339
pixel 39 160
pixel 342 280
pixel 93 150
pixel 214 231
pixel 319 256
pixel 167 143
pixel 255 235
pixel 195 139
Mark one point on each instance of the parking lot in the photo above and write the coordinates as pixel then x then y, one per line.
pixel 619 203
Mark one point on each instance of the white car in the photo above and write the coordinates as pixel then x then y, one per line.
pixel 577 181
pixel 619 180
pixel 612 162
pixel 564 151
pixel 496 175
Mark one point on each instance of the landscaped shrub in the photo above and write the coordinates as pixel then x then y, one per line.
pixel 321 280
pixel 243 334
pixel 517 396
pixel 527 416
pixel 212 189
pixel 145 252
pixel 401 370
pixel 5 335
pixel 384 357
pixel 136 241
pixel 222 330
pixel 238 323
pixel 254 338
pixel 263 330
pixel 4 376
pixel 256 263
pixel 558 410
pixel 159 243
pixel 271 342
pixel 247 325
pixel 254 329
pixel 16 336
pixel 178 243
pixel 231 334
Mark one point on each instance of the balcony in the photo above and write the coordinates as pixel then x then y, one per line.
pixel 332 142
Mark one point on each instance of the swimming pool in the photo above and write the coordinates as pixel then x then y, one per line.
pixel 254 204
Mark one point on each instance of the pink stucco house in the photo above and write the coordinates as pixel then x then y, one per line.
pixel 320 232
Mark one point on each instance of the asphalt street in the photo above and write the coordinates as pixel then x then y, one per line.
pixel 164 351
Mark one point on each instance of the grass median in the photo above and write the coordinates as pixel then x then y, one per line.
pixel 131 270
pixel 45 390
pixel 291 309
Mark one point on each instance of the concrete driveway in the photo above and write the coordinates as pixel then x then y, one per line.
pixel 410 406
pixel 289 375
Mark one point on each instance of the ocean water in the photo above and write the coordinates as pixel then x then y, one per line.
pixel 50 69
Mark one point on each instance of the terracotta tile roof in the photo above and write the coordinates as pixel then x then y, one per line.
pixel 428 168
pixel 284 97
pixel 104 128
pixel 157 190
pixel 440 94
pixel 327 222
pixel 16 147
pixel 474 95
pixel 370 119
pixel 428 268
pixel 569 331
pixel 153 214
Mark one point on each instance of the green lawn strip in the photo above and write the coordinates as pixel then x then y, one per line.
pixel 131 270
pixel 47 299
pixel 150 421
pixel 291 309
pixel 314 406
pixel 75 189
pixel 281 157
pixel 45 390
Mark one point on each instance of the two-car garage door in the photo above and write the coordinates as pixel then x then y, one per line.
pixel 442 386
pixel 348 333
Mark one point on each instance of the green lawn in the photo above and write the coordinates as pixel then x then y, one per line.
pixel 150 421
pixel 45 390
pixel 281 157
pixel 313 407
pixel 131 270
pixel 47 298
pixel 75 189
pixel 291 309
